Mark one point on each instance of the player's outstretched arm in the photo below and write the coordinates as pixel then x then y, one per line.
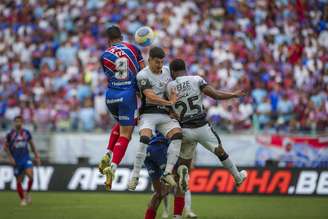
pixel 36 154
pixel 154 98
pixel 222 95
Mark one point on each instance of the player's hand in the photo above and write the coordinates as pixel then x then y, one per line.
pixel 173 97
pixel 12 161
pixel 37 160
pixel 240 93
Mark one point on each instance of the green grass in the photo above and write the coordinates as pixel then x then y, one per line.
pixel 126 206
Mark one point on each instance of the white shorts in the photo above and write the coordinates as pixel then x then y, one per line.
pixel 162 122
pixel 204 135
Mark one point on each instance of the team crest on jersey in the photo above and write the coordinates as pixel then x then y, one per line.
pixel 143 82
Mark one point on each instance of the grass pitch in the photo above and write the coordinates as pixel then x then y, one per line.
pixel 129 206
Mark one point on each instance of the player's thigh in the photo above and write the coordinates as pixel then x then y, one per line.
pixel 126 131
pixel 28 169
pixel 187 149
pixel 168 126
pixel 147 124
pixel 127 109
pixel 208 138
pixel 112 103
pixel 154 171
pixel 29 172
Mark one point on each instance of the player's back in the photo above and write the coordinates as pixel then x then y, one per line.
pixel 18 144
pixel 121 62
pixel 189 107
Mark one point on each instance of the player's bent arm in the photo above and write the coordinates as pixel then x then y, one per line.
pixel 221 95
pixel 10 158
pixel 36 154
pixel 151 96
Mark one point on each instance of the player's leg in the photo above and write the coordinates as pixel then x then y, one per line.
pixel 160 191
pixel 19 174
pixel 123 107
pixel 187 152
pixel 171 129
pixel 211 141
pixel 146 130
pixel 105 161
pixel 153 163
pixel 166 211
pixel 127 120
pixel 29 174
pixel 179 203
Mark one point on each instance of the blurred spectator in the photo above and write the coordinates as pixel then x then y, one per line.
pixel 277 50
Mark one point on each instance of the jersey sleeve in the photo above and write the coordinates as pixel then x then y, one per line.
pixel 201 82
pixel 29 135
pixel 143 82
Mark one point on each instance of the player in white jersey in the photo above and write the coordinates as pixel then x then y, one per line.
pixel 192 116
pixel 154 114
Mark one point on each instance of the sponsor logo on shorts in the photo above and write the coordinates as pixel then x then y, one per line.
pixel 111 101
pixel 121 83
pixel 123 118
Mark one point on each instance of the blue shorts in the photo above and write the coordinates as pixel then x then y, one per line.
pixel 20 168
pixel 155 161
pixel 123 105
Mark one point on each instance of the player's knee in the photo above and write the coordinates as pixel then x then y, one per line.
pixel 144 139
pixel 177 136
pixel 220 153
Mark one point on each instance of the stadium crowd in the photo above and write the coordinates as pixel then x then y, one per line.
pixel 277 50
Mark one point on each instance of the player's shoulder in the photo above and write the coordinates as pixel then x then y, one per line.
pixel 10 132
pixel 166 69
pixel 143 72
pixel 26 131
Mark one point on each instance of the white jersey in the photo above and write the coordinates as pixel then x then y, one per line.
pixel 157 82
pixel 189 106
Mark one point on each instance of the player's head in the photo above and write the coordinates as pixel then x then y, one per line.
pixel 177 68
pixel 114 34
pixel 18 120
pixel 156 59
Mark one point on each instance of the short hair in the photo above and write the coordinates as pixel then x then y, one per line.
pixel 177 65
pixel 156 52
pixel 18 117
pixel 114 32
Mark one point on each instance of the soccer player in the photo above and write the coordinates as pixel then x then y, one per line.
pixel 155 163
pixel 120 62
pixel 16 147
pixel 192 117
pixel 154 114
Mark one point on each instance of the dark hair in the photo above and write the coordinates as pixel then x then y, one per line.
pixel 156 52
pixel 18 117
pixel 114 32
pixel 177 65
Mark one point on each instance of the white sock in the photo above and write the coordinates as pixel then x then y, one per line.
pixel 139 160
pixel 187 201
pixel 113 166
pixel 166 204
pixel 227 163
pixel 172 155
